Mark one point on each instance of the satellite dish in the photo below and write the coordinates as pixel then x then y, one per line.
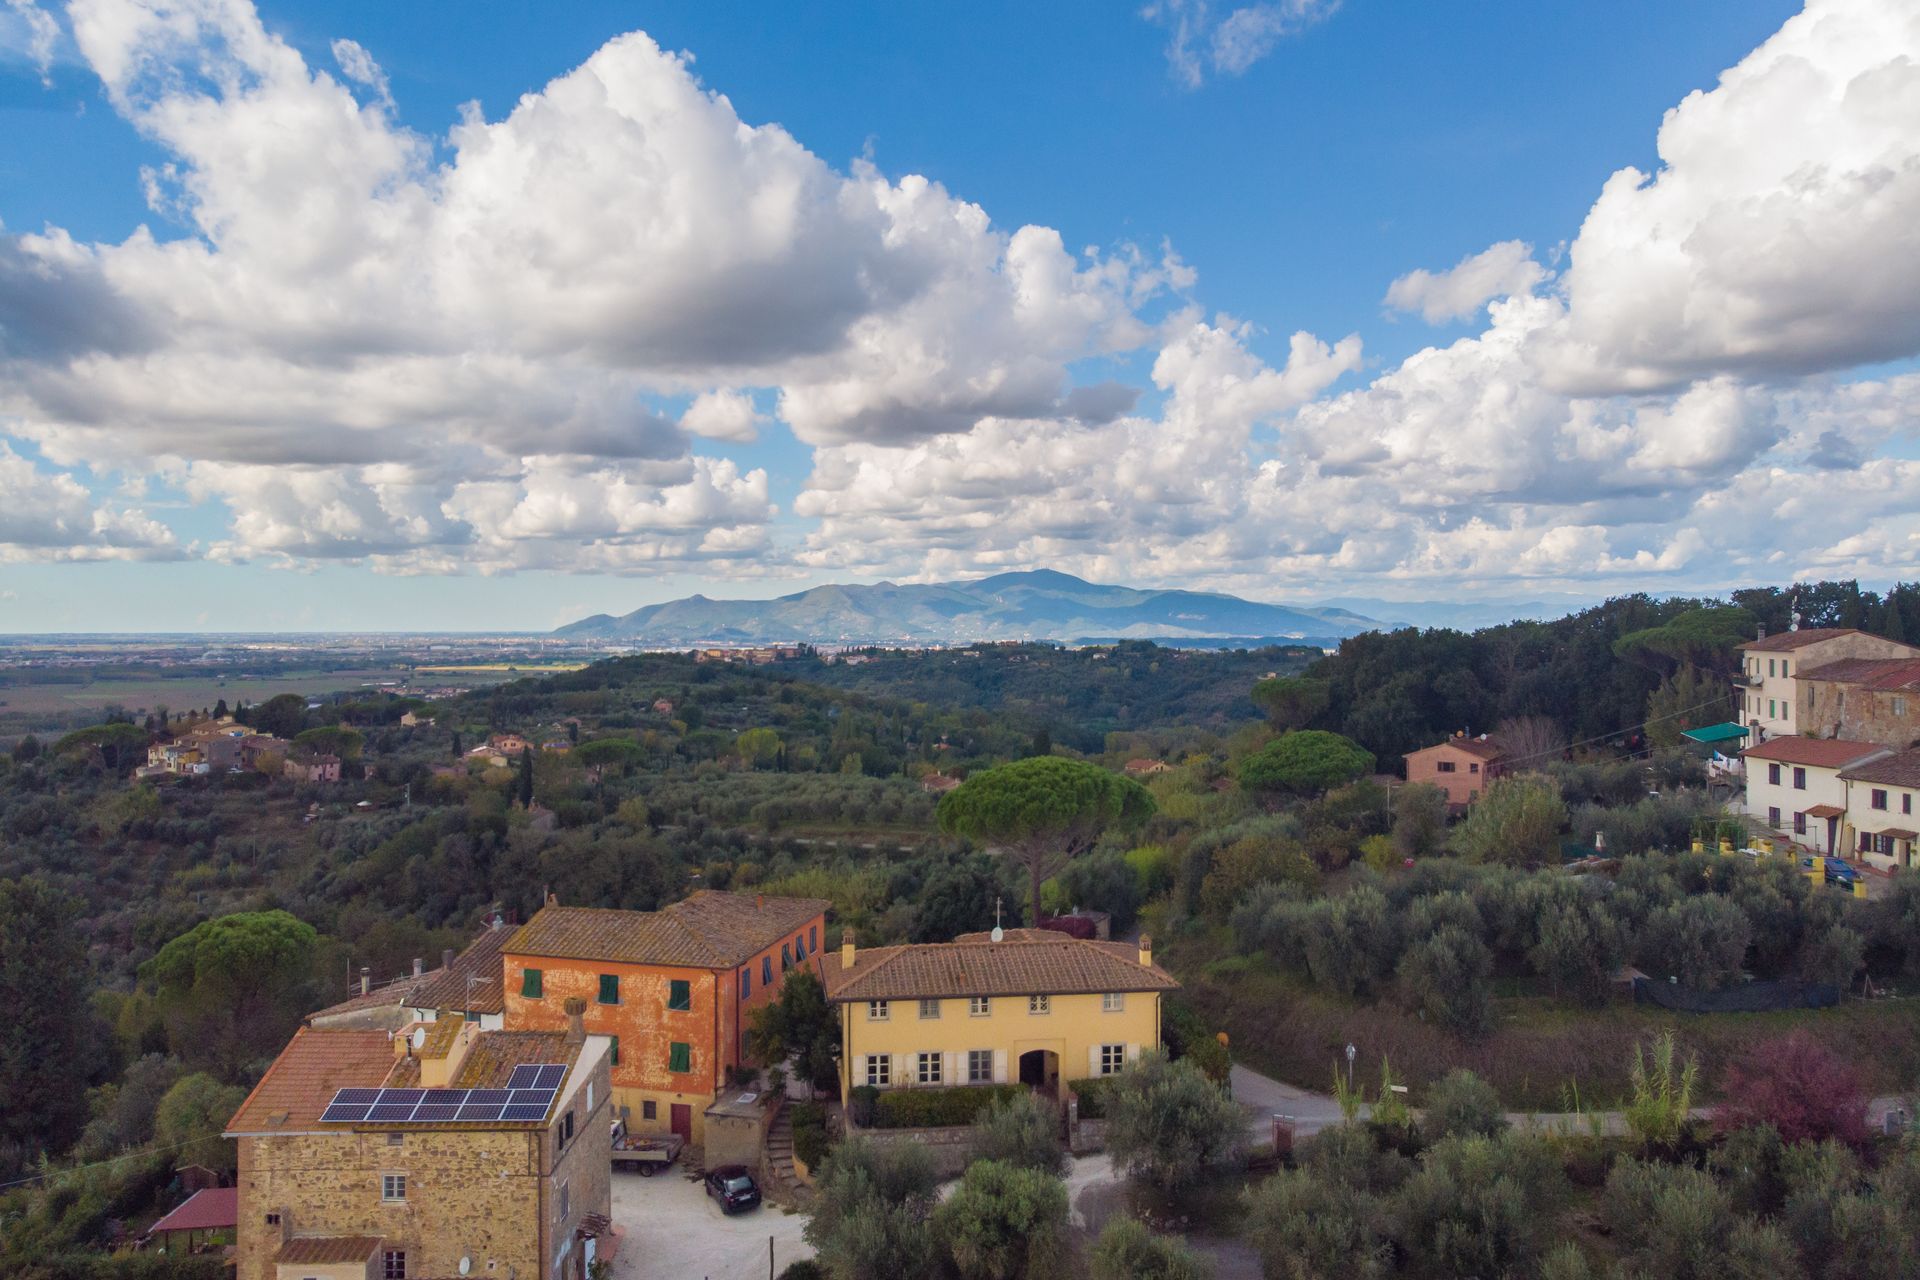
pixel 466 1264
pixel 999 934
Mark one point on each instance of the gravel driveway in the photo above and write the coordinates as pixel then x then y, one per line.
pixel 675 1232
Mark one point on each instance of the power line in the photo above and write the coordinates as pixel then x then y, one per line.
pixel 1587 742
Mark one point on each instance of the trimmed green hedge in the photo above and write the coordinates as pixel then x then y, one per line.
pixel 1093 1093
pixel 936 1108
pixel 810 1139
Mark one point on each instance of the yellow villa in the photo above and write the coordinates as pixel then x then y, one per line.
pixel 1029 1005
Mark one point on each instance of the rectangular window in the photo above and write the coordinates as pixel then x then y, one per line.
pixel 680 995
pixel 1799 779
pixel 786 957
pixel 1113 1002
pixel 1773 818
pixel 1906 802
pixel 649 1110
pixel 609 988
pixel 1878 798
pixel 530 983
pixel 1773 775
pixel 927 1068
pixel 1444 766
pixel 564 1199
pixel 566 1128
pixel 1799 824
pixel 680 1057
pixel 813 939
pixel 877 1011
pixel 616 1050
pixel 1771 712
pixel 1039 1004
pixel 979 1006
pixel 1770 666
pixel 396 1139
pixel 1113 1057
pixel 766 971
pixel 929 1008
pixel 746 983
pixel 979 1066
pixel 1473 766
pixel 393 1188
pixel 393 1265
pixel 879 1070
pixel 1899 705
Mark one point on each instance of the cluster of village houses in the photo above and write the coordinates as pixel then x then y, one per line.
pixel 219 746
pixel 391 1139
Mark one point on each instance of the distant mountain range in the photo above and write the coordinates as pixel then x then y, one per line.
pixel 1038 605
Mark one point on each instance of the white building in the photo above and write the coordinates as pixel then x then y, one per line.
pixel 1768 694
pixel 1882 794
pixel 1794 786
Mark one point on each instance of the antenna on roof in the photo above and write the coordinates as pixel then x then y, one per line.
pixel 1793 618
pixel 998 933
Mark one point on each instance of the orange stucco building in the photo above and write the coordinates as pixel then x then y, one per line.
pixel 672 987
pixel 1460 766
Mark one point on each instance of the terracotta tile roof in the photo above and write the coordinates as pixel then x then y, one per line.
pixel 315 1065
pixel 1873 673
pixel 204 1210
pixel 447 988
pixel 710 930
pixel 1786 641
pixel 1901 769
pixel 1899 833
pixel 1826 811
pixel 318 1062
pixel 490 1063
pixel 1822 753
pixel 391 996
pixel 1484 748
pixel 320 1250
pixel 1026 962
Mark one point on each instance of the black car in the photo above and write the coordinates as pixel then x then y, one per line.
pixel 733 1186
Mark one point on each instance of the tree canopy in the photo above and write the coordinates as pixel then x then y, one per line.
pixel 42 1036
pixel 234 988
pixel 1305 762
pixel 1046 809
pixel 1291 702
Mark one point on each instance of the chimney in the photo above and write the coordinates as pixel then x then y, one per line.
pixel 446 958
pixel 553 899
pixel 576 1019
pixel 366 980
pixel 1146 950
pixel 417 969
pixel 847 949
pixel 1763 632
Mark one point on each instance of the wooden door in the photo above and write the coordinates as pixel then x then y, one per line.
pixel 681 1120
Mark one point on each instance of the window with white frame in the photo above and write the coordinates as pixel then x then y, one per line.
pixel 1113 1058
pixel 979 1066
pixel 929 1008
pixel 393 1188
pixel 880 1070
pixel 979 1006
pixel 927 1068
pixel 1039 1004
pixel 877 1011
pixel 1113 1002
pixel 393 1265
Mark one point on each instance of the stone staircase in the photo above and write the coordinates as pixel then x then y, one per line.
pixel 782 1184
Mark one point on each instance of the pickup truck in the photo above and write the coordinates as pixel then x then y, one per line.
pixel 644 1152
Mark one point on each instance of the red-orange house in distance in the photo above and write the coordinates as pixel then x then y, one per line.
pixel 1459 766
pixel 673 988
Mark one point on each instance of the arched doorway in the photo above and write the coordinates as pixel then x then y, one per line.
pixel 1040 1069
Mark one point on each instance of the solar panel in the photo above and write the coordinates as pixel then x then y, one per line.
pixel 526 1099
pixel 455 1096
pixel 524 1111
pixel 432 1112
pixel 483 1111
pixel 366 1096
pixel 490 1095
pixel 402 1095
pixel 550 1076
pixel 343 1113
pixel 391 1112
pixel 524 1078
pixel 541 1096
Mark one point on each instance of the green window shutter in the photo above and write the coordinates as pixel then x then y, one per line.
pixel 530 983
pixel 680 1057
pixel 609 988
pixel 680 994
pixel 616 1050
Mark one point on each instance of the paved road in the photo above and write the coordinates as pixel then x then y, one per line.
pixel 675 1232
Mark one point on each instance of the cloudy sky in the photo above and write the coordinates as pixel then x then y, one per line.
pixel 357 315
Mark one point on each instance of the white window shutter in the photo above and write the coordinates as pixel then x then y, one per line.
pixel 950 1074
pixel 1133 1052
pixel 859 1069
pixel 999 1066
pixel 1093 1060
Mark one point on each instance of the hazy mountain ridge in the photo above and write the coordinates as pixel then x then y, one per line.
pixel 1039 605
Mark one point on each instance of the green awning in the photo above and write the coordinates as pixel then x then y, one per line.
pixel 1717 733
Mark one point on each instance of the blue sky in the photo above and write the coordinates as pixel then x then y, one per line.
pixel 1369 141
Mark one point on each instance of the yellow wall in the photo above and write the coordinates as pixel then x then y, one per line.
pixel 1074 1026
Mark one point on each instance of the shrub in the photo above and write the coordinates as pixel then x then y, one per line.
pixel 1448 978
pixel 1093 1094
pixel 935 1108
pixel 1479 1206
pixel 1127 1250
pixel 1021 1131
pixel 1660 1110
pixel 1675 1222
pixel 1702 941
pixel 1516 820
pixel 1308 1228
pixel 811 1141
pixel 1004 1223
pixel 1803 1090
pixel 804 1269
pixel 862 1102
pixel 1462 1104
pixel 1419 820
pixel 1167 1121
pixel 870 1220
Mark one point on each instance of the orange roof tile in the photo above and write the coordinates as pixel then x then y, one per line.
pixel 1024 962
pixel 1821 753
pixel 314 1066
pixel 710 930
pixel 1873 673
pixel 205 1210
pixel 1786 641
pixel 320 1250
